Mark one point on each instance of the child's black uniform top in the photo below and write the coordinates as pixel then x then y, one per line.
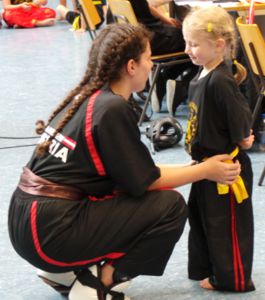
pixel 219 114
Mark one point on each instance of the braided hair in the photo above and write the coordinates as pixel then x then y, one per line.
pixel 115 45
pixel 215 22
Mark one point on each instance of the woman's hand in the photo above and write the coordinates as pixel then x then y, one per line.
pixel 220 171
pixel 163 18
pixel 215 168
pixel 174 22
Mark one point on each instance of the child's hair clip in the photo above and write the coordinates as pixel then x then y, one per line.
pixel 209 27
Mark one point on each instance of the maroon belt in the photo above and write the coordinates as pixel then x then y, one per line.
pixel 36 185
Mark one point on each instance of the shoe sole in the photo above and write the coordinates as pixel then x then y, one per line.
pixel 60 288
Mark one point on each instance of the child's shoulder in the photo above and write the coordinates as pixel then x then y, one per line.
pixel 223 70
pixel 222 76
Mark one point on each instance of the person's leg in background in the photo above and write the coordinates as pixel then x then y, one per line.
pixel 64 3
pixel 178 78
pixel 167 39
pixel 177 88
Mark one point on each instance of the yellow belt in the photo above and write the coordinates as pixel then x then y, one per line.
pixel 238 187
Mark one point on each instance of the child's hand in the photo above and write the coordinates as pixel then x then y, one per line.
pixel 26 6
pixel 247 142
pixel 40 2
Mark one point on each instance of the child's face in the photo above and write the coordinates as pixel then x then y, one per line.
pixel 202 51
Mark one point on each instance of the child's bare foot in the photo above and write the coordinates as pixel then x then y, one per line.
pixel 47 22
pixel 205 284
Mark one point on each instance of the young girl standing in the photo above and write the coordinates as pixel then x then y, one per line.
pixel 221 217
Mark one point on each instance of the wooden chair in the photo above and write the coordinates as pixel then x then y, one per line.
pixel 90 15
pixel 123 12
pixel 253 45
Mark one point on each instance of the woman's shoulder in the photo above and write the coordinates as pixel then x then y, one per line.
pixel 107 104
pixel 107 98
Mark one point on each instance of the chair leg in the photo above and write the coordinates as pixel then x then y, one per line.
pixel 148 98
pixel 92 33
pixel 258 106
pixel 262 177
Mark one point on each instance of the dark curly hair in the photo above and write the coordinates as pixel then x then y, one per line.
pixel 115 45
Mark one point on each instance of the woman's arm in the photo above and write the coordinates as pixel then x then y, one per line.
pixel 212 169
pixel 157 3
pixel 156 13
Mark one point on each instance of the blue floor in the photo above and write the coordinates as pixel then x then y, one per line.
pixel 38 67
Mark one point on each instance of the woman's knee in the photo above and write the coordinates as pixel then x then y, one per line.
pixel 176 206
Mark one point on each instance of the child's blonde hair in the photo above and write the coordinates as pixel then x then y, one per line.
pixel 213 23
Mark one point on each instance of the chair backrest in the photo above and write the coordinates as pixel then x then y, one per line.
pixel 254 45
pixel 90 13
pixel 122 11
